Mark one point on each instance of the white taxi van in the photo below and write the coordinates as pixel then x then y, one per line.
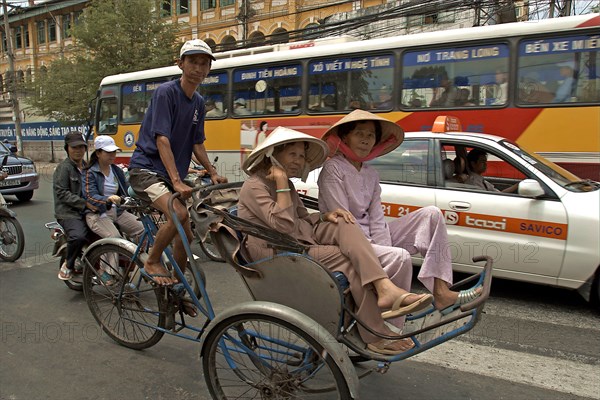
pixel 547 231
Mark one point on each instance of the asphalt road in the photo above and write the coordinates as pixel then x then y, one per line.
pixel 533 342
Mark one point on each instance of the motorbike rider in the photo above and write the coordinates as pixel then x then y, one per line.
pixel 68 203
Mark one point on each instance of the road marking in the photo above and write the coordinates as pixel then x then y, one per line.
pixel 28 262
pixel 545 372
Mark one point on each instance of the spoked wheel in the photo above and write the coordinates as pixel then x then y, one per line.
pixel 210 250
pixel 130 309
pixel 75 283
pixel 253 356
pixel 12 239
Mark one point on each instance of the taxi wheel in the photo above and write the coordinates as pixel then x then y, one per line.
pixel 595 294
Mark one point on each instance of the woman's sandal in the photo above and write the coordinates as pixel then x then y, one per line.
pixel 387 347
pixel 397 310
pixel 464 297
pixel 107 279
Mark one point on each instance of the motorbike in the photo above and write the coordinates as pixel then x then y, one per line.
pixel 57 233
pixel 12 238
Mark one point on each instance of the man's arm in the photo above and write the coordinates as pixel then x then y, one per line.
pixel 202 157
pixel 166 156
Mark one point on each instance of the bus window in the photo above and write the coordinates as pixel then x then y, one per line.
pixel 135 98
pixel 559 70
pixel 107 118
pixel 343 84
pixel 214 90
pixel 269 90
pixel 456 77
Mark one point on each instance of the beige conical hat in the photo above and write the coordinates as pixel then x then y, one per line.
pixel 315 154
pixel 388 128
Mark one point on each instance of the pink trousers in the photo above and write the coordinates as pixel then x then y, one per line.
pixel 421 232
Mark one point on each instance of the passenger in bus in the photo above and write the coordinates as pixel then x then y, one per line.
pixel 163 152
pixel 329 103
pixel 239 107
pixel 347 183
pixel 445 95
pixel 212 111
pixel 385 99
pixel 463 98
pixel 69 205
pixel 477 161
pixel 268 198
pixel 131 114
pixel 104 184
pixel 501 89
pixel 565 89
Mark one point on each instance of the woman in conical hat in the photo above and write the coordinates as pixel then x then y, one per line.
pixel 268 198
pixel 347 183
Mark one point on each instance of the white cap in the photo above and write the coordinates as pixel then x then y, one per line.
pixel 240 101
pixel 196 46
pixel 105 143
pixel 568 64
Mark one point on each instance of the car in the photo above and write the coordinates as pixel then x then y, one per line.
pixel 546 232
pixel 22 177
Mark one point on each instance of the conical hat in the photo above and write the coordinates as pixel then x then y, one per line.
pixel 392 135
pixel 315 154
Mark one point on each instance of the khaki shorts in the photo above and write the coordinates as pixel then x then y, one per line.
pixel 149 186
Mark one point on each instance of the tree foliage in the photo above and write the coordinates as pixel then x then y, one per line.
pixel 111 37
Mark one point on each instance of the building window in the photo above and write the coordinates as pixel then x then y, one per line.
pixel 66 26
pixel 224 3
pixel 18 37
pixel 41 32
pixel 183 7
pixel 208 4
pixel 51 30
pixel 166 8
pixel 26 36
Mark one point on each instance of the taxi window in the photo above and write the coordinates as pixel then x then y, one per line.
pixel 456 77
pixel 268 90
pixel 559 70
pixel 406 164
pixel 344 84
pixel 214 91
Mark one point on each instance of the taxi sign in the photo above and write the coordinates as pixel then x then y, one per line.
pixel 446 123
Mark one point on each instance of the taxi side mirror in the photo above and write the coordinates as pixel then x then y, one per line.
pixel 530 188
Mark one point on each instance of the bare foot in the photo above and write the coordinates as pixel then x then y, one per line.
pixel 158 273
pixel 387 293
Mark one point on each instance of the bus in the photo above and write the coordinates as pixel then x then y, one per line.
pixel 536 83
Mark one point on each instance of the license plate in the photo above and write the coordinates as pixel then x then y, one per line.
pixel 10 182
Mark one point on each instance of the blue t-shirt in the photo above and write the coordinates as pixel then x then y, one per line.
pixel 174 115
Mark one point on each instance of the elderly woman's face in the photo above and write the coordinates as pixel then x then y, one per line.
pixel 292 158
pixel 362 138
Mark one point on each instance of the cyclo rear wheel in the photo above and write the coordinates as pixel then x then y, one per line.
pixel 259 356
pixel 130 309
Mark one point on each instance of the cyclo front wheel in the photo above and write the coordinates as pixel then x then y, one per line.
pixel 12 239
pixel 253 356
pixel 130 309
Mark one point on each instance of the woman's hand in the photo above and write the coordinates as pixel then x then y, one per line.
pixel 277 174
pixel 332 216
pixel 91 207
pixel 114 199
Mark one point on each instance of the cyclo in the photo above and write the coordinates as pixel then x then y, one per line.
pixel 298 337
